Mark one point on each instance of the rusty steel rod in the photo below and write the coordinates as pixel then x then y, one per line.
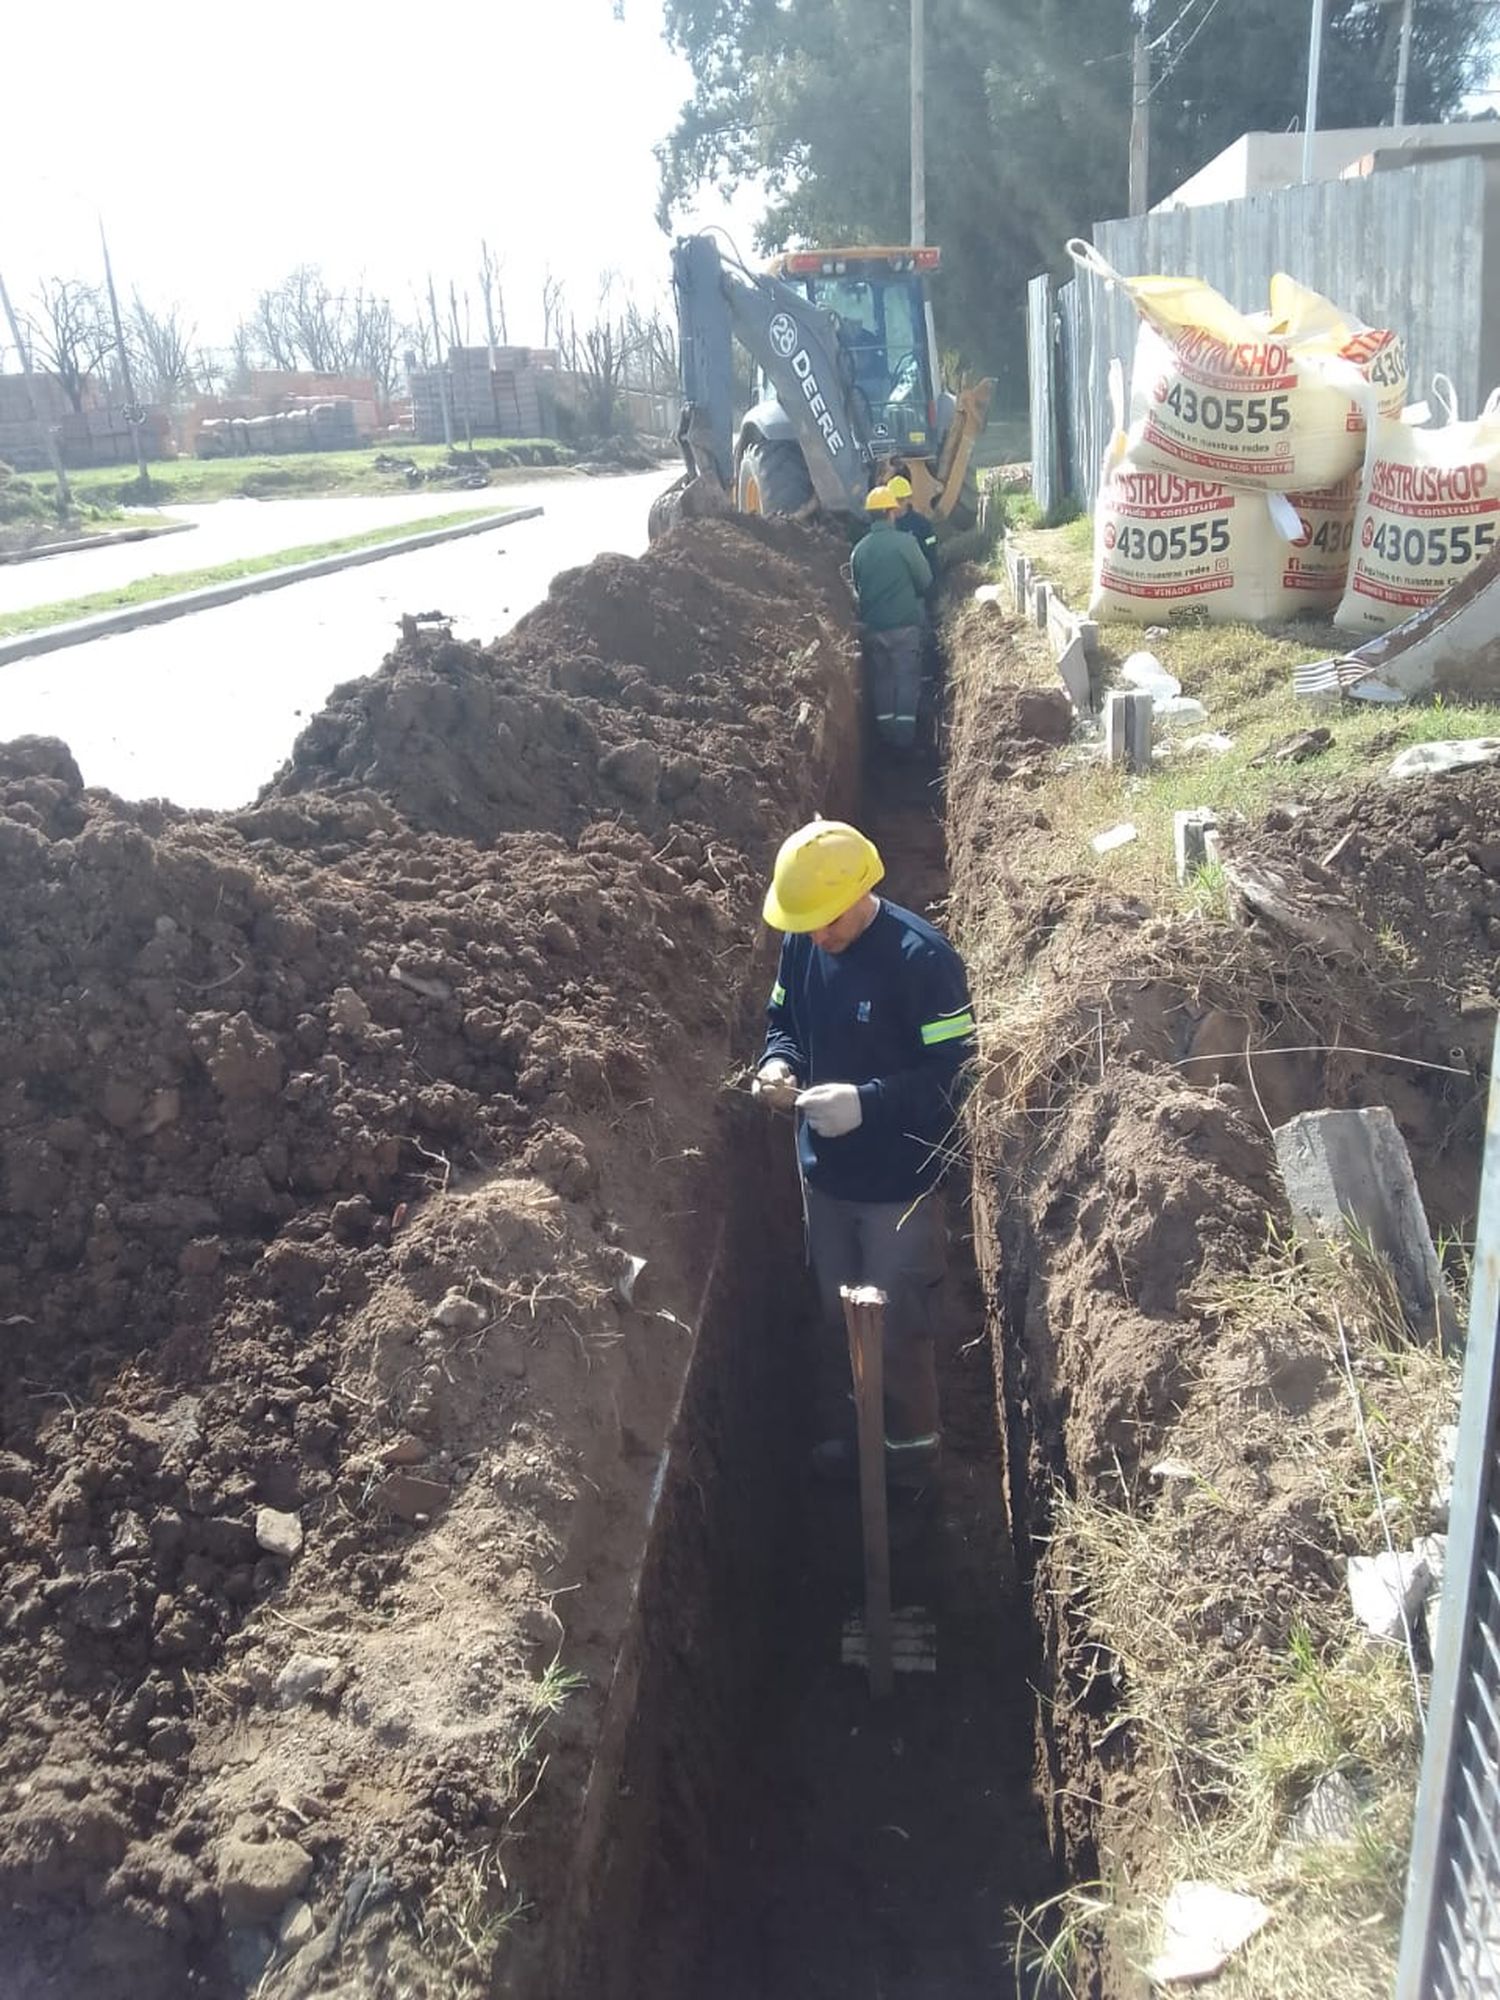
pixel 864 1322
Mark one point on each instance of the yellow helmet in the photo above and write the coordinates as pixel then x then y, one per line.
pixel 821 871
pixel 879 500
pixel 899 488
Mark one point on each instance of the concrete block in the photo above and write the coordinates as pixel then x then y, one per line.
pixel 1041 597
pixel 1191 832
pixel 1127 729
pixel 1062 625
pixel 1074 668
pixel 1349 1178
pixel 1018 570
pixel 1086 630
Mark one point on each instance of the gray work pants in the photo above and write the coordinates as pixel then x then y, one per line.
pixel 903 1249
pixel 893 670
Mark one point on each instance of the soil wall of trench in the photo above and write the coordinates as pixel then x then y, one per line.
pixel 354 1468
pixel 1123 1166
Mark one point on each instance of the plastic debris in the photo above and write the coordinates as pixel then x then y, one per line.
pixel 1113 837
pixel 1423 760
pixel 1386 1590
pixel 1203 1926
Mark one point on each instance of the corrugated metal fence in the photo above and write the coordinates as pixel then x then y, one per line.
pixel 1417 248
pixel 1450 1944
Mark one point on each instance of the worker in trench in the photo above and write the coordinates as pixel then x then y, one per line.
pixel 870 1022
pixel 891 581
pixel 922 532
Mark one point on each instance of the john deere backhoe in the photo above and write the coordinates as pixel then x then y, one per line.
pixel 847 385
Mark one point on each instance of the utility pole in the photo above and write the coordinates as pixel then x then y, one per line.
pixel 1314 65
pixel 918 125
pixel 134 414
pixel 1403 64
pixel 919 163
pixel 44 430
pixel 1140 122
pixel 442 366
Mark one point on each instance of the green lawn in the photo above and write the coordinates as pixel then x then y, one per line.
pixel 147 589
pixel 198 479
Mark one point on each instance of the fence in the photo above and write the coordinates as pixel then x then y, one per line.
pixel 1416 248
pixel 1450 1941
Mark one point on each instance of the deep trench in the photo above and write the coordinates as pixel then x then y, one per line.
pixel 770 1829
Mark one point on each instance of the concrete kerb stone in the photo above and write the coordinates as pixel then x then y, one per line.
pixel 113 540
pixel 1348 1177
pixel 162 610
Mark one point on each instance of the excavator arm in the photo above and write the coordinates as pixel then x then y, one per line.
pixel 794 342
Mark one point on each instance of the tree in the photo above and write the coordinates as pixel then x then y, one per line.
pixel 70 335
pixel 598 357
pixel 161 353
pixel 1028 117
pixel 305 322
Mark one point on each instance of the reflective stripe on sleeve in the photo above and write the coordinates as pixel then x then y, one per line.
pixel 778 995
pixel 950 1028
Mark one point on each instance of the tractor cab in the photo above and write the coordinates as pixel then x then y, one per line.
pixel 879 299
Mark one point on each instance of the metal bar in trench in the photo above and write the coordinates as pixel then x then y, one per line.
pixel 864 1321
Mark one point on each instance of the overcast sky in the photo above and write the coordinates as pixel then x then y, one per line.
pixel 224 146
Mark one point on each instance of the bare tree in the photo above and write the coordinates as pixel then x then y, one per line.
pixel 70 335
pixel 162 352
pixel 598 356
pixel 305 322
pixel 270 330
pixel 653 347
pixel 554 310
pixel 492 294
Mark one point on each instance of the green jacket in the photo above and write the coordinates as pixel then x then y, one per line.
pixel 890 578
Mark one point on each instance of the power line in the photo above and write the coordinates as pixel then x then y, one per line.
pixel 1124 55
pixel 1213 6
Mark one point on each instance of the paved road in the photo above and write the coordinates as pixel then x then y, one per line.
pixel 229 530
pixel 202 711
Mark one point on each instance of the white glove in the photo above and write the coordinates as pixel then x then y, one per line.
pixel 832 1109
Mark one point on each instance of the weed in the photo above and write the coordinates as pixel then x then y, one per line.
pixel 1055 1939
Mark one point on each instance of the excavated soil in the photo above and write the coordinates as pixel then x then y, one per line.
pixel 335 1400
pixel 1133 1063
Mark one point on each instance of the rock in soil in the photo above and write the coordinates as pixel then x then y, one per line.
pixel 258 1878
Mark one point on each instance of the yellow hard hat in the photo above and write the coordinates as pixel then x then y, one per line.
pixel 899 488
pixel 879 500
pixel 821 871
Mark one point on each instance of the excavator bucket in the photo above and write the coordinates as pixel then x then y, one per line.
pixel 699 492
pixel 694 496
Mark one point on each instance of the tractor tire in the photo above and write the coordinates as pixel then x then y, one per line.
pixel 772 479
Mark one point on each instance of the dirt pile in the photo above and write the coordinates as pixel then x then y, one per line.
pixel 1417 863
pixel 331 1133
pixel 635 689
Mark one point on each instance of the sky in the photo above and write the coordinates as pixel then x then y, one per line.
pixel 224 147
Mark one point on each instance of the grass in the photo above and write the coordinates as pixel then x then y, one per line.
pixel 1242 674
pixel 187 480
pixel 1231 1742
pixel 149 589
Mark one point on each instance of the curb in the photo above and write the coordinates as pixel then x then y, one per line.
pixel 109 541
pixel 54 638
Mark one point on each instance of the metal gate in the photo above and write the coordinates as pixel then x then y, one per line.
pixel 1450 1940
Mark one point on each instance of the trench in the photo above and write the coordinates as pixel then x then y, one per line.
pixel 760 1826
